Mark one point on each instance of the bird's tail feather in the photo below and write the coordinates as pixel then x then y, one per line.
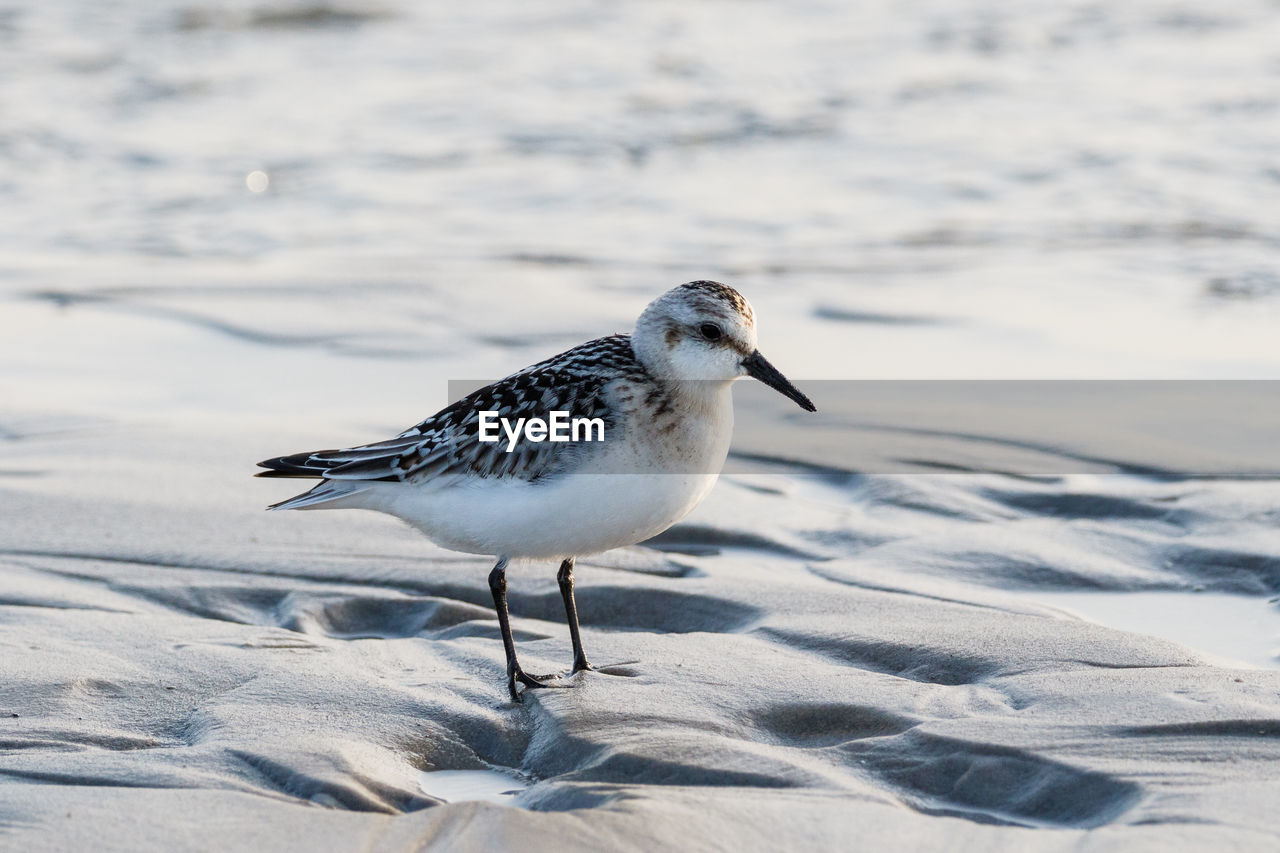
pixel 329 494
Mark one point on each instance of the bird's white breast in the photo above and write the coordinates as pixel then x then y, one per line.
pixel 648 477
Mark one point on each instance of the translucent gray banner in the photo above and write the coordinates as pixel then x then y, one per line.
pixel 1164 429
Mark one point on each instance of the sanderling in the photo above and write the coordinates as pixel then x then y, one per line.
pixel 662 396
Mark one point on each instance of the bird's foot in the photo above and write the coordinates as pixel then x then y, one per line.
pixel 529 682
pixel 581 663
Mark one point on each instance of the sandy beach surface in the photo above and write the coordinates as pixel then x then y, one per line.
pixel 856 660
pixel 900 655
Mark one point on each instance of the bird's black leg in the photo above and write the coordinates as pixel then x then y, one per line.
pixel 498 586
pixel 565 577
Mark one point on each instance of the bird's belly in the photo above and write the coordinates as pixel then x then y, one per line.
pixel 634 488
pixel 571 516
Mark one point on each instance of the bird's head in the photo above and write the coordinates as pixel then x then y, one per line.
pixel 704 330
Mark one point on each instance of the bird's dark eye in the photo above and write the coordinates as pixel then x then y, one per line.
pixel 710 331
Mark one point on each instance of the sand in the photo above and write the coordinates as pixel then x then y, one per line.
pixel 182 670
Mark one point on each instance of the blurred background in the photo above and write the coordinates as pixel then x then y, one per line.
pixel 282 209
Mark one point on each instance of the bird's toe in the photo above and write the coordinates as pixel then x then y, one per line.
pixel 532 682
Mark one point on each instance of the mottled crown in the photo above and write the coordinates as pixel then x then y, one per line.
pixel 723 293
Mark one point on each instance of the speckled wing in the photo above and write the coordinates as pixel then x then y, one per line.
pixel 448 443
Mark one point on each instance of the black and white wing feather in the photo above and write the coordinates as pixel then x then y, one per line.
pixel 447 443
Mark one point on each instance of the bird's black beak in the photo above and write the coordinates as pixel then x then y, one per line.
pixel 759 368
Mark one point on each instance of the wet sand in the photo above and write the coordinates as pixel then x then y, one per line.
pixel 183 665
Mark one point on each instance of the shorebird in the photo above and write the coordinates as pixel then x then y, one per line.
pixel 663 395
